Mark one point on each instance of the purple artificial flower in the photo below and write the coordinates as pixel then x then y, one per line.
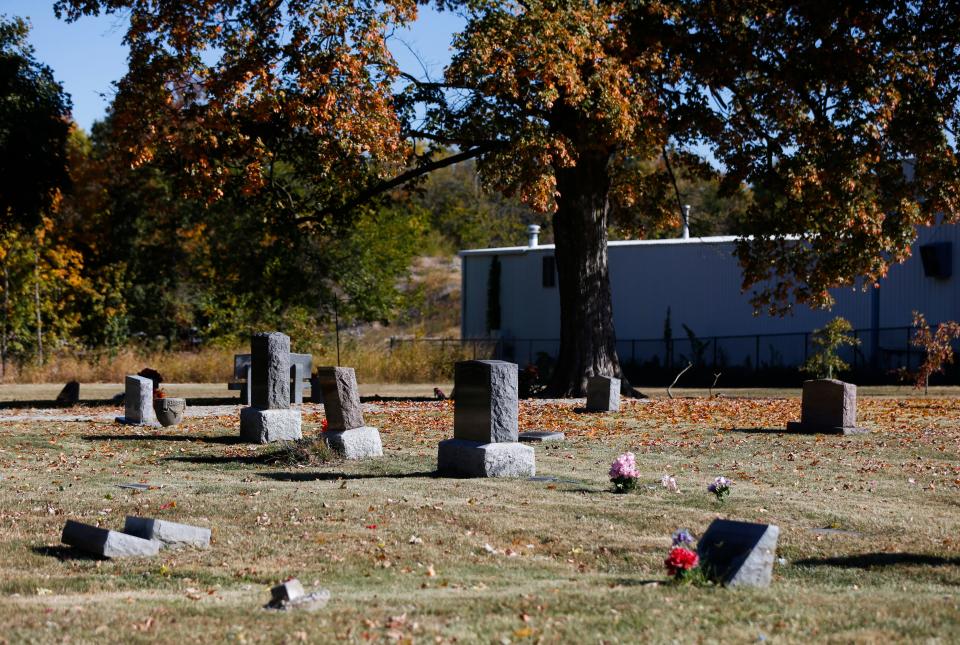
pixel 682 537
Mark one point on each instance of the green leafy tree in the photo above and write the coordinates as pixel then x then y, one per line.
pixel 824 361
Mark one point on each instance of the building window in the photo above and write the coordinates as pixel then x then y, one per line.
pixel 937 259
pixel 549 272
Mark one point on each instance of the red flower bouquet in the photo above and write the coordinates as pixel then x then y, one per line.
pixel 681 560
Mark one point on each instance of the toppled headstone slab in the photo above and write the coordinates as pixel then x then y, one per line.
pixel 291 595
pixel 739 553
pixel 828 406
pixel 539 436
pixel 106 543
pixel 487 405
pixel 167 533
pixel 603 394
pixel 341 398
pixel 138 402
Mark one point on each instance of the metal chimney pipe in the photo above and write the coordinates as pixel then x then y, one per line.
pixel 533 235
pixel 685 234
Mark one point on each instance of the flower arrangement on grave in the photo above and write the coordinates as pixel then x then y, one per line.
pixel 720 487
pixel 324 424
pixel 682 562
pixel 159 393
pixel 624 473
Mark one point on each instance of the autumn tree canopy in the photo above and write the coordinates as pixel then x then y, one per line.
pixel 584 108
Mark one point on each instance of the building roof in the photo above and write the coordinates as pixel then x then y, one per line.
pixel 516 250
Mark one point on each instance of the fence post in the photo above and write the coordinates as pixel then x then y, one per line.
pixel 908 347
pixel 756 364
pixel 714 352
pixel 633 351
pixel 474 349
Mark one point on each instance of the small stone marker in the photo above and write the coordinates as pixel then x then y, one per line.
pixel 106 543
pixel 739 553
pixel 603 394
pixel 269 418
pixel 539 436
pixel 138 402
pixel 828 406
pixel 70 394
pixel 346 432
pixel 485 419
pixel 167 533
pixel 291 595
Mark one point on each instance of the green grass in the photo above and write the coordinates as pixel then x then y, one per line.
pixel 572 562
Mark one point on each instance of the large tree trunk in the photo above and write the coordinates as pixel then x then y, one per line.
pixel 587 338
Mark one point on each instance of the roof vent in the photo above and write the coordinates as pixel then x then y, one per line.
pixel 533 236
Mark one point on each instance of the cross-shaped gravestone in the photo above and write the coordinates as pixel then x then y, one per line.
pixel 485 424
pixel 828 406
pixel 738 553
pixel 269 418
pixel 346 432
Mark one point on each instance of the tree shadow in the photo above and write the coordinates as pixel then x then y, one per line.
pixel 871 560
pixel 64 553
pixel 223 439
pixel 49 404
pixel 310 477
pixel 267 459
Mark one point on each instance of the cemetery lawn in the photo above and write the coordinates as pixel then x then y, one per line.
pixel 870 530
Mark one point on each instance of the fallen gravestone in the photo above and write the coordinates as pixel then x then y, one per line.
pixel 346 432
pixel 603 394
pixel 167 533
pixel 138 402
pixel 828 406
pixel 106 543
pixel 269 417
pixel 539 436
pixel 70 394
pixel 738 553
pixel 140 486
pixel 291 595
pixel 485 438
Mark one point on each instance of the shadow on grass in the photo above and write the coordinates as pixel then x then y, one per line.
pixel 265 459
pixel 871 560
pixel 310 477
pixel 48 404
pixel 223 439
pixel 63 553
pixel 756 430
pixel 628 582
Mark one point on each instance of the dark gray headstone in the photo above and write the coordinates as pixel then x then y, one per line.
pixel 286 592
pixel 167 533
pixel 486 408
pixel 106 543
pixel 739 553
pixel 341 398
pixel 603 394
pixel 70 394
pixel 828 406
pixel 270 357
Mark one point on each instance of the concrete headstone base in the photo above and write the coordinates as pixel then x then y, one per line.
pixel 539 436
pixel 813 428
pixel 358 443
pixel 266 426
pixel 474 459
pixel 106 543
pixel 167 533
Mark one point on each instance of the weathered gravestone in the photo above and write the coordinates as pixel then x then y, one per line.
pixel 739 553
pixel 485 419
pixel 70 394
pixel 138 402
pixel 346 432
pixel 167 533
pixel 603 394
pixel 106 543
pixel 269 417
pixel 828 406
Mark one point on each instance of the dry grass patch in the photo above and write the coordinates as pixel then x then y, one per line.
pixel 408 555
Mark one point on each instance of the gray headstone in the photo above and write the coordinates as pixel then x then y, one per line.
pixel 341 398
pixel 270 357
pixel 486 408
pixel 106 543
pixel 286 592
pixel 603 394
pixel 828 406
pixel 167 533
pixel 138 401
pixel 739 553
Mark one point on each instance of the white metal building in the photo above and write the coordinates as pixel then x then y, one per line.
pixel 699 280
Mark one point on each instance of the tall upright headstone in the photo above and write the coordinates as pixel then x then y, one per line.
pixel 828 406
pixel 138 402
pixel 269 417
pixel 485 424
pixel 346 432
pixel 603 394
pixel 739 553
